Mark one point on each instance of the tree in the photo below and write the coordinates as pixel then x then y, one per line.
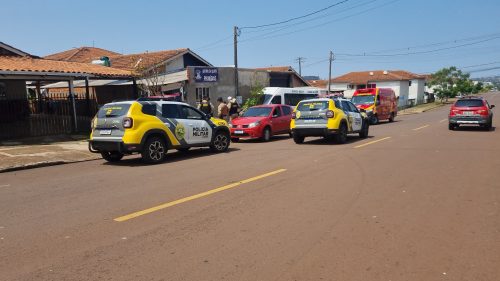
pixel 450 82
pixel 256 96
pixel 149 82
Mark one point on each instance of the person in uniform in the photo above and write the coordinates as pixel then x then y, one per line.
pixel 205 106
pixel 222 109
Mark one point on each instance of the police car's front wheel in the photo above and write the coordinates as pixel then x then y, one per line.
pixel 220 142
pixel 154 150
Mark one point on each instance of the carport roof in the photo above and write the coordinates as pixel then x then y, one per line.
pixel 25 65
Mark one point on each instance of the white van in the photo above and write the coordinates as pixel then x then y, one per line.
pixel 290 96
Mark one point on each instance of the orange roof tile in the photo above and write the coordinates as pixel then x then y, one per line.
pixel 318 83
pixel 362 77
pixel 143 60
pixel 26 64
pixel 82 54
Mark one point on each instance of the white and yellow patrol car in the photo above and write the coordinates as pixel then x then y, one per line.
pixel 153 127
pixel 328 117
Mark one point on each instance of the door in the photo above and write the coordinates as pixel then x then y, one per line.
pixel 277 120
pixel 198 131
pixel 353 115
pixel 287 117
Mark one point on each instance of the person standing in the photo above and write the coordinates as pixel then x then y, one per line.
pixel 234 109
pixel 222 109
pixel 205 106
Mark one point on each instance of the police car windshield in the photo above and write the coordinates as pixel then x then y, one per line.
pixel 113 110
pixel 257 112
pixel 363 99
pixel 312 106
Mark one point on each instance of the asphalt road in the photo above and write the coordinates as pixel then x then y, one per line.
pixel 415 201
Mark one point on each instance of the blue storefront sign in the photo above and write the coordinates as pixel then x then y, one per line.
pixel 206 74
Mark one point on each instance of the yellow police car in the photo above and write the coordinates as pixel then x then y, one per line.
pixel 153 127
pixel 328 117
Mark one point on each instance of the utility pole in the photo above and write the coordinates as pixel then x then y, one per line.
pixel 300 60
pixel 330 70
pixel 235 34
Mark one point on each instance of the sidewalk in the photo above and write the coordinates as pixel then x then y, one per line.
pixel 421 108
pixel 43 151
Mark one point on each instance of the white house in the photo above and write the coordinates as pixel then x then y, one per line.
pixel 409 87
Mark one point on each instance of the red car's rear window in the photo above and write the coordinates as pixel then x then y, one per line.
pixel 469 103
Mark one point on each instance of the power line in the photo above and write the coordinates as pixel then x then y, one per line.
pixel 296 18
pixel 318 25
pixel 419 52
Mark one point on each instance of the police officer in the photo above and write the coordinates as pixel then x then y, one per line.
pixel 205 106
pixel 234 109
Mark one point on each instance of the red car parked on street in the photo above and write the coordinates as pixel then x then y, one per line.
pixel 262 121
pixel 471 111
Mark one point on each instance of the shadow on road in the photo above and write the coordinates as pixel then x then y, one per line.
pixel 463 128
pixel 273 139
pixel 329 141
pixel 172 157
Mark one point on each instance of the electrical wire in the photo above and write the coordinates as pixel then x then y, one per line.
pixel 295 18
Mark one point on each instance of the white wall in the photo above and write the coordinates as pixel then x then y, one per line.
pixel 341 87
pixel 416 90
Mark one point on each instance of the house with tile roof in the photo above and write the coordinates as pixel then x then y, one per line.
pixel 408 86
pixel 82 54
pixel 26 110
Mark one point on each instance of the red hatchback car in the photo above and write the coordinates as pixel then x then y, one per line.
pixel 471 111
pixel 262 121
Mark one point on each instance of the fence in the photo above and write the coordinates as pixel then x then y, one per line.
pixel 51 114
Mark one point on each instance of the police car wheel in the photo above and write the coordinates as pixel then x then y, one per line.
pixel 154 150
pixel 266 134
pixel 298 139
pixel 112 156
pixel 220 142
pixel 341 136
pixel 374 120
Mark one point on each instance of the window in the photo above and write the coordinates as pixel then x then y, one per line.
pixel 469 103
pixel 202 93
pixel 312 106
pixel 352 107
pixel 294 99
pixel 190 113
pixel 170 111
pixel 276 100
pixel 409 83
pixel 286 110
pixel 277 112
pixel 350 87
pixel 149 109
pixel 337 104
pixel 113 110
pixel 372 86
pixel 345 106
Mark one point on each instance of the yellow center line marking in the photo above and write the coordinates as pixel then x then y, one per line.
pixel 419 128
pixel 193 197
pixel 443 120
pixel 372 142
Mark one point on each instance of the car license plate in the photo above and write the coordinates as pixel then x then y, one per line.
pixel 468 113
pixel 239 132
pixel 105 132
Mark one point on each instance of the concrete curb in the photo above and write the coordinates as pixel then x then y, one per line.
pixel 41 164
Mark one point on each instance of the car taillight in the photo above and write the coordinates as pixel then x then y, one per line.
pixel 128 122
pixel 482 112
pixel 294 115
pixel 454 112
pixel 330 114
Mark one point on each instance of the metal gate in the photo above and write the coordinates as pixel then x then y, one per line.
pixel 51 114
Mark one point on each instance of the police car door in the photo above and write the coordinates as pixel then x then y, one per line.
pixel 198 130
pixel 356 117
pixel 351 116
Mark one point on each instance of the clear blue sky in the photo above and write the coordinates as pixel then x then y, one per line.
pixel 354 27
